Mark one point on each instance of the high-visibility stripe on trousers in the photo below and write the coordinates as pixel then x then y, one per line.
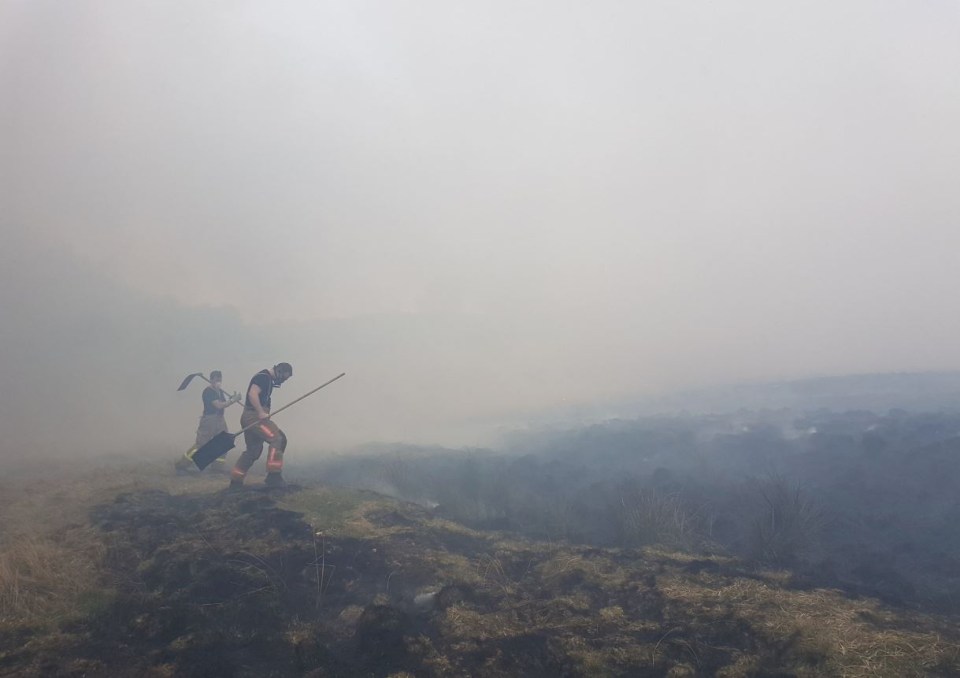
pixel 265 431
pixel 274 460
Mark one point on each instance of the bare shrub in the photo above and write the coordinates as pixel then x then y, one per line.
pixel 651 517
pixel 785 522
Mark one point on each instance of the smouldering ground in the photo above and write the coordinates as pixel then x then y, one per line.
pixel 142 573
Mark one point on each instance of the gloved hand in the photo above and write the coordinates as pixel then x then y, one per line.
pixel 235 398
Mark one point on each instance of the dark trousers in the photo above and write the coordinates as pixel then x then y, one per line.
pixel 264 431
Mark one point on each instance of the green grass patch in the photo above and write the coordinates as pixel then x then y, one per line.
pixel 330 508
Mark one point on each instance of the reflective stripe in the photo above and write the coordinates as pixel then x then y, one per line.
pixel 237 473
pixel 274 460
pixel 266 430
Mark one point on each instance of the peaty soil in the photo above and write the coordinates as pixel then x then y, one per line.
pixel 316 583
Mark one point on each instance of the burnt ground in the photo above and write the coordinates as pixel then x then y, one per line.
pixel 305 582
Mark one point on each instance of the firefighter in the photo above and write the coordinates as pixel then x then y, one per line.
pixel 212 421
pixel 257 410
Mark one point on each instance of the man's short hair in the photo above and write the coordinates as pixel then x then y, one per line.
pixel 215 375
pixel 286 368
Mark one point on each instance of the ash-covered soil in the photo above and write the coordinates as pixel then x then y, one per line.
pixel 313 582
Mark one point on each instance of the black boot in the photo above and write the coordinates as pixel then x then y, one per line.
pixel 274 480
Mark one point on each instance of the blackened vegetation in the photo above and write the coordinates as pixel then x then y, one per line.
pixel 238 585
pixel 228 586
pixel 855 500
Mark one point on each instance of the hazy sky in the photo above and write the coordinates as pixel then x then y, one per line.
pixel 616 196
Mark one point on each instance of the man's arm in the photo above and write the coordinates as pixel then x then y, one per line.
pixel 224 404
pixel 214 398
pixel 254 395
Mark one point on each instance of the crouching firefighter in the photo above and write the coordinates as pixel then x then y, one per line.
pixel 212 421
pixel 256 410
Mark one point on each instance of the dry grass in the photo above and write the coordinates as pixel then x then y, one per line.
pixel 822 632
pixel 43 578
pixel 596 568
pixel 856 638
pixel 600 608
pixel 50 558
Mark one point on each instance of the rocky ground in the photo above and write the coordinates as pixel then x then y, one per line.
pixel 178 578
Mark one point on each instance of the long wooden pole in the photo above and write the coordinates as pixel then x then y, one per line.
pixel 292 402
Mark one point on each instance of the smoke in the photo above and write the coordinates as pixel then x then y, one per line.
pixel 92 367
pixel 478 212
